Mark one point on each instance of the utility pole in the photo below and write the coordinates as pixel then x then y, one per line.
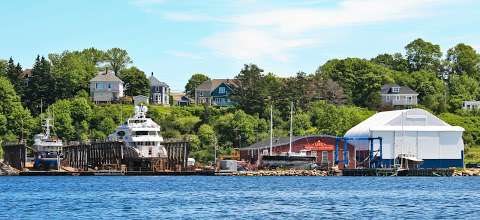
pixel 291 129
pixel 271 129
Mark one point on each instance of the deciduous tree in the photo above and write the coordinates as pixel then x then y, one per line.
pixel 136 82
pixel 463 59
pixel 193 82
pixel 423 55
pixel 118 59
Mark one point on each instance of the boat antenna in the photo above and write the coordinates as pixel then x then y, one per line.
pixel 291 128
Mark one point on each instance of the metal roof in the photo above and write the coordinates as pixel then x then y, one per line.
pixel 407 120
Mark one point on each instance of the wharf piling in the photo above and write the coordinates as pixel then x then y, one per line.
pixel 14 155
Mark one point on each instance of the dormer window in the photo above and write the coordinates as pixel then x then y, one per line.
pixel 395 89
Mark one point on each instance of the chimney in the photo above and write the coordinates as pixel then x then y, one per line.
pixel 152 73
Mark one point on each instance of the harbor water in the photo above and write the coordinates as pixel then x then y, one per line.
pixel 215 197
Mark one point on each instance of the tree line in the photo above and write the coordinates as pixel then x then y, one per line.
pixel 338 95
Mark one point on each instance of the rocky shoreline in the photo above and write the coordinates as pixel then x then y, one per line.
pixel 6 170
pixel 281 173
pixel 467 172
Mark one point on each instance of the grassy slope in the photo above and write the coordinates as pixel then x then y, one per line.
pixel 472 154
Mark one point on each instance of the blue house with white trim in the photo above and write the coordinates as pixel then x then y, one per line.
pixel 215 92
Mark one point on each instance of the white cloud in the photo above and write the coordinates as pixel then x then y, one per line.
pixel 148 2
pixel 273 34
pixel 186 16
pixel 184 54
pixel 253 44
pixel 349 12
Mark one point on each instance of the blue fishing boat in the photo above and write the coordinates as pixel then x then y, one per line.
pixel 47 148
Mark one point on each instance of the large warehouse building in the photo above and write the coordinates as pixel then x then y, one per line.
pixel 414 134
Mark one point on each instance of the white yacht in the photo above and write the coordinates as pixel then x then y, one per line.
pixel 141 134
pixel 48 148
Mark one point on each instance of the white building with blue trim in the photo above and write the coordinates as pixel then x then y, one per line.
pixel 413 133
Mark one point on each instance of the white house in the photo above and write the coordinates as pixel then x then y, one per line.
pixel 471 105
pixel 413 132
pixel 106 87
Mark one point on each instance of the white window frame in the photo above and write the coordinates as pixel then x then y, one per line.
pixel 324 157
pixel 221 90
pixel 395 89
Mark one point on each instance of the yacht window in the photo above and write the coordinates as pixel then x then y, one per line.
pixel 141 133
pixel 152 133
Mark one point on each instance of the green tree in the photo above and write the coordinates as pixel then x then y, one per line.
pixel 299 89
pixel 94 55
pixel 239 129
pixel 193 82
pixel 423 55
pixel 136 82
pixel 360 79
pixel 41 86
pixel 3 68
pixel 250 94
pixel 462 88
pixel 336 120
pixel 118 59
pixel 14 74
pixel 15 120
pixel 431 89
pixel 72 72
pixel 464 59
pixel 395 62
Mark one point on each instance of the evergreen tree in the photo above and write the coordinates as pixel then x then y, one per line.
pixel 41 86
pixel 250 93
pixel 14 74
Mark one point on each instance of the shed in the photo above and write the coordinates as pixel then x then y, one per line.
pixel 415 133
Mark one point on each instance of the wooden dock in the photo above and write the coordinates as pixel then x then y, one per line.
pixel 396 172
pixel 117 173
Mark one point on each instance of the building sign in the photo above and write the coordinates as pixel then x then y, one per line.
pixel 319 146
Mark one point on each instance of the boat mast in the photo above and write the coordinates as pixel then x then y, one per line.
pixel 291 128
pixel 271 129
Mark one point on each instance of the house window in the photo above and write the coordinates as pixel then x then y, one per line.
pixel 397 97
pixel 221 90
pixel 149 151
pixel 409 99
pixel 265 152
pixel 388 98
pixel 395 89
pixel 324 157
pixel 109 86
pixel 100 86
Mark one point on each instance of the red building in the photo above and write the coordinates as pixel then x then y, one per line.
pixel 320 146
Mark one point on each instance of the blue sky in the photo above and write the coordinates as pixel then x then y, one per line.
pixel 176 38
